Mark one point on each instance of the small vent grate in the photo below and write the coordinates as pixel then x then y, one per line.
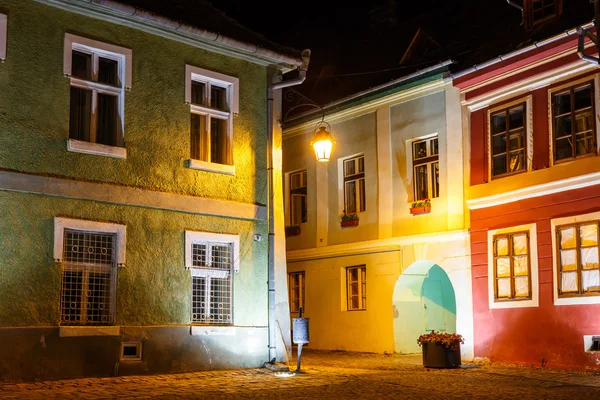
pixel 131 351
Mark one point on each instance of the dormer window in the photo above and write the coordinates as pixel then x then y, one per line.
pixel 538 11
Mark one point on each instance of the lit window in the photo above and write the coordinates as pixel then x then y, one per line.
pixel 296 288
pixel 574 129
pixel 213 101
pixel 508 143
pixel 354 184
pixel 3 34
pixel 578 267
pixel 298 209
pixel 512 273
pixel 98 76
pixel 356 278
pixel 89 253
pixel 426 168
pixel 212 260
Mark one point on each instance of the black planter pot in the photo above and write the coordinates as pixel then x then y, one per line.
pixel 436 355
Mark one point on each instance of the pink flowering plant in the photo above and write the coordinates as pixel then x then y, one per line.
pixel 449 340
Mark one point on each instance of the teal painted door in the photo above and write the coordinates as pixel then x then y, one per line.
pixel 433 304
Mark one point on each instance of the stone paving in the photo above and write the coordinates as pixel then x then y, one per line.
pixel 329 375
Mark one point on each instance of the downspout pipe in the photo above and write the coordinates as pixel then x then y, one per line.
pixel 581 47
pixel 515 5
pixel 302 68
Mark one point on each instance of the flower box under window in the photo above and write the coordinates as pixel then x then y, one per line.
pixel 293 230
pixel 422 206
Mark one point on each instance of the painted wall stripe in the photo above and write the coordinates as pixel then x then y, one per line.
pixel 114 194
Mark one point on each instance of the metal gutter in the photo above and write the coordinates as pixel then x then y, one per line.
pixel 127 15
pixel 376 88
pixel 515 53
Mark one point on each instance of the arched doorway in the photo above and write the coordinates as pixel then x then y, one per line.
pixel 423 301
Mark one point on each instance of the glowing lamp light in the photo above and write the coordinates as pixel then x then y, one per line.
pixel 322 143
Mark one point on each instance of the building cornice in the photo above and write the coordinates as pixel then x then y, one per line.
pixel 132 17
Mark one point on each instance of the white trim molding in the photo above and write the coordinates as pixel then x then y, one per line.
pixel 230 83
pixel 544 189
pixel 209 330
pixel 61 223
pixel 81 331
pixel 566 301
pixel 533 268
pixel 196 236
pixel 3 36
pixel 81 146
pixel 211 167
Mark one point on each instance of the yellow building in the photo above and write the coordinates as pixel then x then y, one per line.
pixel 402 270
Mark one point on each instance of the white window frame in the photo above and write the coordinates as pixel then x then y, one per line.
pixel 99 49
pixel 533 266
pixel 192 237
pixel 3 36
pixel 554 223
pixel 231 86
pixel 528 125
pixel 342 184
pixel 596 86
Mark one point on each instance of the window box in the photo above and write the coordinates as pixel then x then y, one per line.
pixel 293 230
pixel 436 355
pixel 420 210
pixel 350 222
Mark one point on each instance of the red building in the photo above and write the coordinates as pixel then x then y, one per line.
pixel 533 121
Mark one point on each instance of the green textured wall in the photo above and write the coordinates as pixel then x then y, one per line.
pixel 154 288
pixel 34 108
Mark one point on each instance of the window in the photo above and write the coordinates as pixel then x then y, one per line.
pixel 508 141
pixel 296 288
pixel 298 209
pixel 512 274
pixel 356 278
pixel 213 100
pixel 426 168
pixel 98 76
pixel 88 253
pixel 212 260
pixel 574 129
pixel 354 184
pixel 542 10
pixel 578 268
pixel 3 32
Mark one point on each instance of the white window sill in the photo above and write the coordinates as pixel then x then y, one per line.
pixel 79 331
pixel 211 167
pixel 570 301
pixel 80 146
pixel 515 303
pixel 203 330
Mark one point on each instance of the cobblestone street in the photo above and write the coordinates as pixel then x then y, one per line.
pixel 329 375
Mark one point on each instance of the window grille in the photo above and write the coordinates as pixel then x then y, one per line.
pixel 354 185
pixel 426 168
pixel 212 266
pixel 88 278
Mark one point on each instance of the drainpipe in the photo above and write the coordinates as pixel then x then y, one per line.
pixel 270 99
pixel 515 5
pixel 584 31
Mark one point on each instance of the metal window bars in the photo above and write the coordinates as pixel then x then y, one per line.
pixel 88 278
pixel 212 265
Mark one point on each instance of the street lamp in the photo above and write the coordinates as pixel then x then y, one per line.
pixel 322 141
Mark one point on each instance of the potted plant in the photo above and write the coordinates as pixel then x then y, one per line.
pixel 441 350
pixel 292 230
pixel 420 206
pixel 348 219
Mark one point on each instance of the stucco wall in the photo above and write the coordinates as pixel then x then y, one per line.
pixel 34 124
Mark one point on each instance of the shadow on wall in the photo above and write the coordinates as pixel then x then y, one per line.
pixel 423 301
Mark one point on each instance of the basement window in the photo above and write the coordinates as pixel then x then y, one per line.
pixel 131 351
pixel 595 343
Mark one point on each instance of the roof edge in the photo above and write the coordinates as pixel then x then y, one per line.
pixel 123 14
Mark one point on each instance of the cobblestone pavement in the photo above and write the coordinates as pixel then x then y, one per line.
pixel 329 375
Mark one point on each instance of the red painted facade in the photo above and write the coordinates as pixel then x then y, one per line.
pixel 546 334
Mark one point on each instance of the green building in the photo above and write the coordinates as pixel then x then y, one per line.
pixel 133 190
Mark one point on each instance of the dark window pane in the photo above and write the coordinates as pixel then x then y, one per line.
pixel 516 140
pixel 419 150
pixel 499 165
pixel 436 179
pixel 81 65
pixel 562 103
pixel 72 290
pixel 218 98
pixel 198 93
pixel 349 168
pixel 108 71
pixel 517 161
pixel 198 147
pixel 563 149
pixel 361 165
pixel 583 97
pixel 562 126
pixel 498 123
pixel 81 112
pixel 421 182
pixel 108 119
pixel 584 143
pixel 516 117
pixel 499 144
pixel 218 141
pixel 434 147
pixel 350 192
pixel 549 10
pixel 538 4
pixel 361 190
